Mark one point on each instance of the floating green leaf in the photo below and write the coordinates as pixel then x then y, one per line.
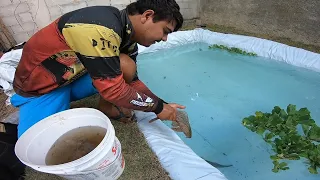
pixel 276 110
pixel 309 122
pixel 260 130
pixel 303 154
pixel 291 109
pixel 259 114
pixel 279 129
pixel 283 114
pixel 314 133
pixel 293 157
pixel 282 165
pixel 313 170
pixel 305 129
pixel 275 170
pixel 269 136
pixel 274 157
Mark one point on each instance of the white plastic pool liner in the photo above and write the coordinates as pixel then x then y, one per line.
pixel 174 155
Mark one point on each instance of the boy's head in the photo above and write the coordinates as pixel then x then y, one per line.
pixel 153 20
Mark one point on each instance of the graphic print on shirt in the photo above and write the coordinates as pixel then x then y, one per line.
pixel 65 66
pixel 104 42
pixel 148 102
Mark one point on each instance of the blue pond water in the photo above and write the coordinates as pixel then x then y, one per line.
pixel 219 90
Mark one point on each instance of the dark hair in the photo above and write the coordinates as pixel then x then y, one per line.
pixel 164 10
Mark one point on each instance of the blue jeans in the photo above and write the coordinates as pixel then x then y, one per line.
pixel 34 109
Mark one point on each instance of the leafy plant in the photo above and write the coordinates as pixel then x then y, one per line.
pixel 280 129
pixel 232 50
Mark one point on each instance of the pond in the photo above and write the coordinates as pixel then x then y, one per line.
pixel 219 89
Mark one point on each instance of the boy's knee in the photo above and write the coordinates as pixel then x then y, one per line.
pixel 128 67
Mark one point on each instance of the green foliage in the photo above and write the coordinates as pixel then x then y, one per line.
pixel 280 129
pixel 279 166
pixel 232 50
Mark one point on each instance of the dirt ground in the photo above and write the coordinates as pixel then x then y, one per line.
pixel 5 111
pixel 141 162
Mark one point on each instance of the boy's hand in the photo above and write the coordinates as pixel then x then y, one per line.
pixel 169 112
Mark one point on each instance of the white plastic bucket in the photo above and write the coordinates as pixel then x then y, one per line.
pixel 101 163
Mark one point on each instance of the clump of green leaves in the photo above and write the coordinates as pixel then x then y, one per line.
pixel 280 129
pixel 232 50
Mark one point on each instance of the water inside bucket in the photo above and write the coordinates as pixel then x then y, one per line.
pixel 75 144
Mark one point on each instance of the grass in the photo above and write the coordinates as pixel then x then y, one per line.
pixel 233 30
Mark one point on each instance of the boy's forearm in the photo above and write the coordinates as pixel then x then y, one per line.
pixel 140 86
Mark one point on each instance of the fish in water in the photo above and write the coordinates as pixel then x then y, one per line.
pixel 217 165
pixel 181 125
